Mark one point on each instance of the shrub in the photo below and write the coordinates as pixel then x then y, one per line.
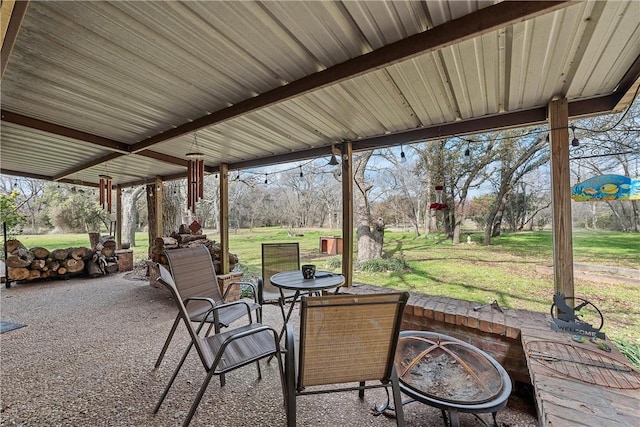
pixel 334 263
pixel 381 265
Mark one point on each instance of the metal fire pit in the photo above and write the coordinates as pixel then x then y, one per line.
pixel 449 374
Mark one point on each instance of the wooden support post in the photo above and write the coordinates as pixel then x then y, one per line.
pixel 347 213
pixel 561 198
pixel 224 218
pixel 154 211
pixel 158 205
pixel 119 216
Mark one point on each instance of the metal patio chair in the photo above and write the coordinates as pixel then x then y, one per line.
pixel 276 258
pixel 195 277
pixel 225 351
pixel 344 339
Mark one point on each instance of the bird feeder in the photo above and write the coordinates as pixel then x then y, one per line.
pixel 438 205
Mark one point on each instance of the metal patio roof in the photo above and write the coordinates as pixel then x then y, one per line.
pixel 119 88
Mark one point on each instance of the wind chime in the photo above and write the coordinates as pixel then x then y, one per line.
pixel 105 192
pixel 195 176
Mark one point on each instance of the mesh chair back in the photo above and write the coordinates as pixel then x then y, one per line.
pixel 194 275
pixel 166 280
pixel 348 338
pixel 276 258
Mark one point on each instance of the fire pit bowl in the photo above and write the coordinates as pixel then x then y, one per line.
pixel 450 374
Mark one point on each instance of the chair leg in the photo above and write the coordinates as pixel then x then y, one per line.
pixel 196 402
pixel 397 398
pixel 166 343
pixel 259 369
pixel 289 383
pixel 173 377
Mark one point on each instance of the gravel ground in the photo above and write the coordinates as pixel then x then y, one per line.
pixel 86 358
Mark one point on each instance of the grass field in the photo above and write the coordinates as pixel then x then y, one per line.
pixel 504 271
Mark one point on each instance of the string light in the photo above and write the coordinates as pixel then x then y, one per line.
pixel 403 157
pixel 266 181
pixel 301 174
pixel 574 141
pixel 467 152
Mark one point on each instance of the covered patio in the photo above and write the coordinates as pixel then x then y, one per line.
pixel 120 89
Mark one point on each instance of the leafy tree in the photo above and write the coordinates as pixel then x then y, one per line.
pixel 72 209
pixel 9 213
pixel 478 209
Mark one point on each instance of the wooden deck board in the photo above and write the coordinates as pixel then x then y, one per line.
pixel 565 401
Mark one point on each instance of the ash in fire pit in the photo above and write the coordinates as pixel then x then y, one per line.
pixel 446 370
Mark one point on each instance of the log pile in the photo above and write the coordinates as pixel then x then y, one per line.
pixel 185 238
pixel 40 263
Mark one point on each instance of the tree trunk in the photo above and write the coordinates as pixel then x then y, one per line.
pixel 171 208
pixel 369 231
pixel 151 214
pixel 130 215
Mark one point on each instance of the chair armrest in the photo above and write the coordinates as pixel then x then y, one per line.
pixel 209 300
pixel 290 363
pixel 254 289
pixel 229 304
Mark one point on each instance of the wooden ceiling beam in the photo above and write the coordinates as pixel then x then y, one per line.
pixel 118 148
pixel 33 123
pixel 86 165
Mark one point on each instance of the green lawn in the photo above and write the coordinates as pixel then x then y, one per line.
pixel 504 271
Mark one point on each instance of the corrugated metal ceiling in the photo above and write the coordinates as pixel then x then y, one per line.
pixel 129 71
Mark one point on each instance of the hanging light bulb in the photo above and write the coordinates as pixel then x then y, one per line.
pixel 238 176
pixel 467 152
pixel 574 141
pixel 301 174
pixel 266 181
pixel 403 157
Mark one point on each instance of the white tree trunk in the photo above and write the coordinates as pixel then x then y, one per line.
pixel 129 200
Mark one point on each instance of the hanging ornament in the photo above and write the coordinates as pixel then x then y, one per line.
pixel 195 176
pixel 438 205
pixel 105 192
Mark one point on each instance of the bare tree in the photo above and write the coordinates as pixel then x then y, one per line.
pixel 369 230
pixel 519 152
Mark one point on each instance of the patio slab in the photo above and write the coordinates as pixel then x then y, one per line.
pixel 86 358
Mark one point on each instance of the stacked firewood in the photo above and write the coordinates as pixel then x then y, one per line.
pixel 185 238
pixel 104 260
pixel 40 263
